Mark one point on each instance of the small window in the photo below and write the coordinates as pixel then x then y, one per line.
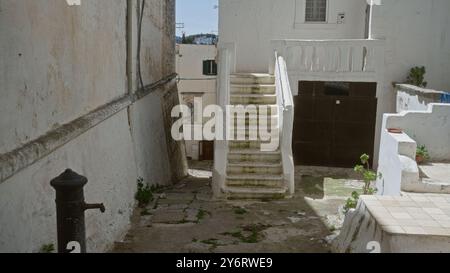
pixel 209 68
pixel 316 11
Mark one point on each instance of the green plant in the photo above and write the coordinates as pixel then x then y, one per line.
pixel 253 233
pixel 144 194
pixel 145 212
pixel 416 76
pixel 240 211
pixel 49 248
pixel 201 214
pixel 422 154
pixel 351 202
pixel 368 176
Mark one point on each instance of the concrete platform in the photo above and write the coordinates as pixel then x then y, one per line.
pixel 413 223
pixel 186 219
pixel 435 173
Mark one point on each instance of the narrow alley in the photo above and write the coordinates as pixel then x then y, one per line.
pixel 185 219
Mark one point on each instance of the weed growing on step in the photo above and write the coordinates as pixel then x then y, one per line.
pixel 201 214
pixel 145 212
pixel 144 194
pixel 250 234
pixel 213 243
pixel 368 176
pixel 240 211
pixel 49 248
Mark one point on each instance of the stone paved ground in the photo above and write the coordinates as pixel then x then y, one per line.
pixel 185 219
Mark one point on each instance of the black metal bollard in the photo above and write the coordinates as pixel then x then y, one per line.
pixel 70 208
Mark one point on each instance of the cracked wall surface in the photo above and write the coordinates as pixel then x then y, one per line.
pixel 58 63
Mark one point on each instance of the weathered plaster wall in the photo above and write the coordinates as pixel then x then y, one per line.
pixel 159 159
pixel 363 233
pixel 430 128
pixel 105 155
pixel 189 65
pixel 358 231
pixel 252 24
pixel 397 162
pixel 413 98
pixel 58 63
pixel 417 33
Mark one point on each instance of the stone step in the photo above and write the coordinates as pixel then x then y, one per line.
pixel 254 193
pixel 254 168
pixel 252 78
pixel 245 135
pixel 245 131
pixel 251 151
pixel 254 181
pixel 248 144
pixel 432 186
pixel 255 89
pixel 246 99
pixel 269 110
pixel 261 157
pixel 255 121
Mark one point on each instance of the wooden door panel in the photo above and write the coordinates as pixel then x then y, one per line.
pixel 312 154
pixel 334 128
pixel 207 150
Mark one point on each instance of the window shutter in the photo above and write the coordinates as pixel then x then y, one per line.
pixel 209 68
pixel 205 67
pixel 214 70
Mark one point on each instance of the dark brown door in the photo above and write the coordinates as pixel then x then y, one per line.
pixel 207 150
pixel 334 123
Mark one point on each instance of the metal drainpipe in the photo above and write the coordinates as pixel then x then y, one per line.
pixel 371 19
pixel 130 45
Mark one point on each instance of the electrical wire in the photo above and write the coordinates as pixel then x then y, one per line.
pixel 141 16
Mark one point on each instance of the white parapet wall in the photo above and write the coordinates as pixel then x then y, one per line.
pixel 397 163
pixel 413 98
pixel 374 227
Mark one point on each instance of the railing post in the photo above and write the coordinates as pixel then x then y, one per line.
pixel 277 46
pixel 70 208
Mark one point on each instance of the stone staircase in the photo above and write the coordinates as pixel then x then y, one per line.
pixel 252 173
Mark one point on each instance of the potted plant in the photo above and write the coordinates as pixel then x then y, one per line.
pixel 422 154
pixel 416 77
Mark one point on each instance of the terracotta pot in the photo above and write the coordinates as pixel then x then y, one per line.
pixel 420 159
pixel 395 131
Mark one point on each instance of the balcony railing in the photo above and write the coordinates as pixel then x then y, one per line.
pixel 333 60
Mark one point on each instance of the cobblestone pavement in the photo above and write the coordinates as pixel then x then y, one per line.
pixel 185 219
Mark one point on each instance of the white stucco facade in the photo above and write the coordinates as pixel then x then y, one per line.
pixel 193 83
pixel 59 63
pixel 416 33
pixel 397 164
pixel 252 24
pixel 404 34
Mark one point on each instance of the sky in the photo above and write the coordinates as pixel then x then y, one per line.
pixel 198 16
